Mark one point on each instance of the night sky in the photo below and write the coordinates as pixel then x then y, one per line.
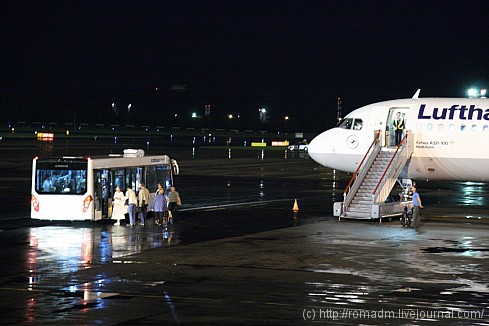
pixel 62 59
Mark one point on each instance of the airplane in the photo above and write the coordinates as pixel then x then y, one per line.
pixel 440 139
pixel 450 135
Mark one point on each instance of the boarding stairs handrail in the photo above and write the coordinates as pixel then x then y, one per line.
pixel 361 172
pixel 389 177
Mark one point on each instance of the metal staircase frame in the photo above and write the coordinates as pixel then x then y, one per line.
pixel 389 178
pixel 361 172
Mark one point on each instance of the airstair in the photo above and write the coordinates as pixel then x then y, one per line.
pixel 370 186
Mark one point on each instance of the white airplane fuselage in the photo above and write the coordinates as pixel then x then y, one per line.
pixel 450 137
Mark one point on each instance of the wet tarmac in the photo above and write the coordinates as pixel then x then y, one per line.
pixel 329 272
pixel 237 254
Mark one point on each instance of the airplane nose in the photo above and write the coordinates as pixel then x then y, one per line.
pixel 336 149
pixel 319 147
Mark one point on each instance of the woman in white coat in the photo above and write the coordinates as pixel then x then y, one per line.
pixel 118 206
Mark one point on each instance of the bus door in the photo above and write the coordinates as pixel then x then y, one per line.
pixel 102 193
pixel 106 180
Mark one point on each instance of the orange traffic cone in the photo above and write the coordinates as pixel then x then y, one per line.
pixel 296 207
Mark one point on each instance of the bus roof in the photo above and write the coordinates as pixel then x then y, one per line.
pixel 121 161
pixel 113 161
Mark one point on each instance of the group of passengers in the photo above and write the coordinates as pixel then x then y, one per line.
pixel 164 207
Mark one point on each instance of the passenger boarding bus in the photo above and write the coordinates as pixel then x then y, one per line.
pixel 82 188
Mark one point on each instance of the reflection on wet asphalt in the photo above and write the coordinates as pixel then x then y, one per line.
pixel 273 276
pixel 238 254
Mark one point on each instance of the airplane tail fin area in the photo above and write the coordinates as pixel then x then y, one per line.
pixel 416 95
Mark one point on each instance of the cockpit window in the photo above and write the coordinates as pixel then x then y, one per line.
pixel 357 124
pixel 346 123
pixel 350 123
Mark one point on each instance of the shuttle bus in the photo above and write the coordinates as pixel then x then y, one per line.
pixel 82 188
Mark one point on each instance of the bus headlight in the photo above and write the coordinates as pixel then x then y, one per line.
pixel 35 203
pixel 86 203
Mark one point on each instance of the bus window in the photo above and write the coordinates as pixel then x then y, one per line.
pixel 162 174
pixel 61 179
pixel 151 179
pixel 131 178
pixel 139 178
pixel 118 178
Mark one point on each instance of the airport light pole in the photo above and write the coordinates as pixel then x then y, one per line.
pixel 263 115
pixel 338 112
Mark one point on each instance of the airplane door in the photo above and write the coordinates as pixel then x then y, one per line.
pixel 395 127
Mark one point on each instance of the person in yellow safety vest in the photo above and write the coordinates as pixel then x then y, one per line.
pixel 398 128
